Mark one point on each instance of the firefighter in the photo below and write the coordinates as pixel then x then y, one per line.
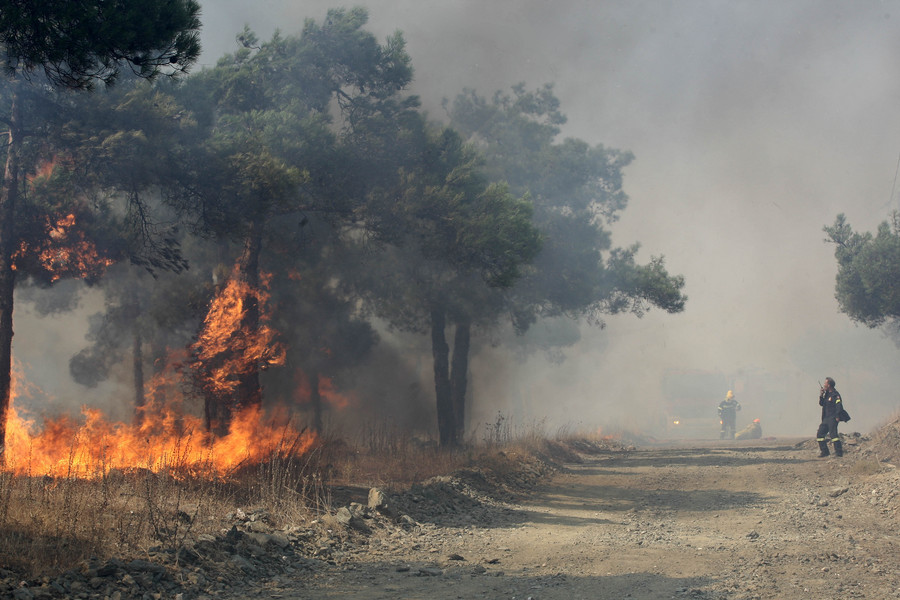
pixel 727 415
pixel 830 401
pixel 753 431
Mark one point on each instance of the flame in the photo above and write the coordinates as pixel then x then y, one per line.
pixel 165 440
pixel 166 437
pixel 225 350
pixel 327 391
pixel 607 436
pixel 44 169
pixel 173 442
pixel 66 251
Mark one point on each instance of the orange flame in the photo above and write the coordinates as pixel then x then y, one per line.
pixel 165 437
pixel 327 391
pixel 225 350
pixel 171 442
pixel 66 251
pixel 44 169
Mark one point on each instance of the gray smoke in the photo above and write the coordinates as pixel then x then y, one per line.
pixel 753 125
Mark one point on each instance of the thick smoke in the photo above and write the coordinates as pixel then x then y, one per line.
pixel 753 125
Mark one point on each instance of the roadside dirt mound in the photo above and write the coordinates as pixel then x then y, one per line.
pixel 250 550
pixel 713 521
pixel 555 521
pixel 884 443
pixel 477 494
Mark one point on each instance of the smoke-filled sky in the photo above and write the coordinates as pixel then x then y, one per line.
pixel 753 123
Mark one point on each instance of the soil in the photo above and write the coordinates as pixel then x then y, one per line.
pixel 735 520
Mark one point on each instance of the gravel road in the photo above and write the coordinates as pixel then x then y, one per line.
pixel 762 519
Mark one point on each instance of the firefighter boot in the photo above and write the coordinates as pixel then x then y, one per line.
pixel 823 448
pixel 838 448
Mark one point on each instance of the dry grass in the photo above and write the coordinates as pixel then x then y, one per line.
pixel 50 524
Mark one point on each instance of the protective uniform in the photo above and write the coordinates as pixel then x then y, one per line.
pixel 727 415
pixel 830 401
pixel 753 431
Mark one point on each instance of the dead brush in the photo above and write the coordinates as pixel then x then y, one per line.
pixel 291 484
pixel 52 523
pixel 885 439
pixel 388 457
pixel 49 524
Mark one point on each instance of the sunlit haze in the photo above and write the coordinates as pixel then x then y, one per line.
pixel 753 124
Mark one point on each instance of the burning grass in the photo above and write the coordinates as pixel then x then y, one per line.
pixel 92 506
pixel 53 522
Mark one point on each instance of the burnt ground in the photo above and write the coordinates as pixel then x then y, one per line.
pixel 713 520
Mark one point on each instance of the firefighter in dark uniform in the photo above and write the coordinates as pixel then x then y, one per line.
pixel 830 401
pixel 728 415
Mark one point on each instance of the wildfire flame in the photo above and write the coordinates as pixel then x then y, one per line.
pixel 165 437
pixel 327 391
pixel 66 251
pixel 225 349
pixel 45 169
pixel 169 442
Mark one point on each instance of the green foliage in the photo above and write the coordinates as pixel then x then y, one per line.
pixel 867 285
pixel 459 218
pixel 272 144
pixel 447 236
pixel 499 236
pixel 76 43
pixel 637 286
pixel 576 191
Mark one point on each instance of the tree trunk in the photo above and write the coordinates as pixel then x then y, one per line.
pixel 215 413
pixel 441 353
pixel 315 398
pixel 137 356
pixel 220 407
pixel 249 391
pixel 7 273
pixel 216 416
pixel 459 376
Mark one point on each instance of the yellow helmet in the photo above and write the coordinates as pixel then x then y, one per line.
pixel 729 395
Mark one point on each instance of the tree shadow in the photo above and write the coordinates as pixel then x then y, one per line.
pixel 697 457
pixel 613 499
pixel 468 580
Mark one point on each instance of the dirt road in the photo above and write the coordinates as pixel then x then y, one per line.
pixel 766 519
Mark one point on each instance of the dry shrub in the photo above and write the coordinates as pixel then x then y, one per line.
pixel 53 523
pixel 397 471
pixel 386 456
pixel 50 524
